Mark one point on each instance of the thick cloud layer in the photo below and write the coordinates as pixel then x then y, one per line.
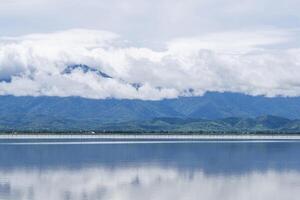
pixel 253 62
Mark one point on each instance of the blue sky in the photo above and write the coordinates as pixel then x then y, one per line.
pixel 171 48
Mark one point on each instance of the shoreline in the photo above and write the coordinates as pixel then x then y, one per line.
pixel 151 137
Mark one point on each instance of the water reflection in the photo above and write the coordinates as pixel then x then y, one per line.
pixel 150 172
pixel 146 183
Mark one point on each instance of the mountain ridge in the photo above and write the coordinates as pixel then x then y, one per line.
pixel 262 124
pixel 236 110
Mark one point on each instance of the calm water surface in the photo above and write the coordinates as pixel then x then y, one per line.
pixel 158 171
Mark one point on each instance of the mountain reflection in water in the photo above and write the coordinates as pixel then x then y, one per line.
pixel 151 171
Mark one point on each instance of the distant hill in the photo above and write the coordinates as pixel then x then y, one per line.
pixel 213 110
pixel 263 124
pixel 260 124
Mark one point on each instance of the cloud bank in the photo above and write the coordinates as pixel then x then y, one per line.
pixel 260 62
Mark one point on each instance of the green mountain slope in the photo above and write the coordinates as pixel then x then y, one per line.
pixel 234 125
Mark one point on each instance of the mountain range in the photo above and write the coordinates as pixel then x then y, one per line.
pixel 210 112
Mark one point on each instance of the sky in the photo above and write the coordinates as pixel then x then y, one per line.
pixel 168 48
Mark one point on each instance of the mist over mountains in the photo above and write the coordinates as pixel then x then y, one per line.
pixel 212 112
pixel 99 64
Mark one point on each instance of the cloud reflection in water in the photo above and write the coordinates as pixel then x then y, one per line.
pixel 146 182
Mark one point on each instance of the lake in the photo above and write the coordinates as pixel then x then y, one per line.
pixel 149 169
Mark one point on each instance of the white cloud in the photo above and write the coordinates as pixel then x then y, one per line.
pixel 146 182
pixel 253 62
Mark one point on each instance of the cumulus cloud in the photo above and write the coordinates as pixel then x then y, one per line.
pixel 134 183
pixel 256 62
